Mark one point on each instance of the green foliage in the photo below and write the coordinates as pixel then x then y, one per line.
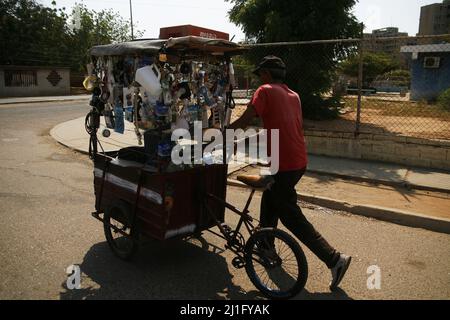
pixel 374 64
pixel 96 28
pixel 444 100
pixel 36 35
pixel 31 33
pixel 310 67
pixel 398 77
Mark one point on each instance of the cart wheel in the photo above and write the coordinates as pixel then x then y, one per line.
pixel 276 264
pixel 118 218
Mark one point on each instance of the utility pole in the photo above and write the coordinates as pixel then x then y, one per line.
pixel 131 18
pixel 360 80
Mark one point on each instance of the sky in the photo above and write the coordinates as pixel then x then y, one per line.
pixel 150 15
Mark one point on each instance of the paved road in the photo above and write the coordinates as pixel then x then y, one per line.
pixel 46 198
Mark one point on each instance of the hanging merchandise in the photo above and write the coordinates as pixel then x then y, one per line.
pixel 160 96
pixel 109 117
pixel 204 95
pixel 181 123
pixel 149 78
pixel 128 71
pixel 128 104
pixel 165 146
pixel 90 83
pixel 147 116
pixel 162 116
pixel 109 80
pixel 167 97
pixel 117 94
pixel 119 125
pixel 184 90
pixel 167 81
pixel 164 149
pixel 195 113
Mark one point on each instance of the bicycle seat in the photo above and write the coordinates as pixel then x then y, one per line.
pixel 257 182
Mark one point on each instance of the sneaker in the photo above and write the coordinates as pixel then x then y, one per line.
pixel 339 270
pixel 267 252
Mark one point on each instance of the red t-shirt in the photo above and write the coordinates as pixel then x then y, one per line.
pixel 280 108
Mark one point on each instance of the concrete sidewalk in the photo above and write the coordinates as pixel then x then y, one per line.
pixel 19 100
pixel 381 173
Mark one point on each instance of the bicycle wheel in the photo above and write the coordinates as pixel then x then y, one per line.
pixel 122 246
pixel 276 264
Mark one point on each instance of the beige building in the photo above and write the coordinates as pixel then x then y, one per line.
pixel 27 81
pixel 435 19
pixel 379 42
pixel 391 47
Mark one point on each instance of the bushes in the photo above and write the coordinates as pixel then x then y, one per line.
pixel 444 100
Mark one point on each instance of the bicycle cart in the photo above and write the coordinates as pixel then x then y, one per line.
pixel 141 194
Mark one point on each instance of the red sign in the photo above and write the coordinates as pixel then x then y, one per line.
pixel 189 30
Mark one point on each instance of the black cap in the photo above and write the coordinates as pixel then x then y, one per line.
pixel 270 62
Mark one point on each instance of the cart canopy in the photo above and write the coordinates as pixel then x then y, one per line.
pixel 128 48
pixel 186 44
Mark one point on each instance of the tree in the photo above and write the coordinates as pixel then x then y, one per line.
pixel 310 67
pixel 374 64
pixel 32 34
pixel 96 28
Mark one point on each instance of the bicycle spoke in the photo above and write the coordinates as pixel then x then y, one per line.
pixel 275 264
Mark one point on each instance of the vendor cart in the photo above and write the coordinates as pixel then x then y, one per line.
pixel 141 193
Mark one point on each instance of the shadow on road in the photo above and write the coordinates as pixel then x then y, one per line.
pixel 172 270
pixel 182 270
pixel 339 294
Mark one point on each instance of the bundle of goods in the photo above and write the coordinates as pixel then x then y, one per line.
pixel 164 90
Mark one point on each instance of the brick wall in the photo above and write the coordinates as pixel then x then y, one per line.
pixel 395 149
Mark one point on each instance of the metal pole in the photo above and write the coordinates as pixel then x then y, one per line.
pixel 131 18
pixel 360 82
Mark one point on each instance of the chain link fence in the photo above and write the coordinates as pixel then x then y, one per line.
pixel 390 86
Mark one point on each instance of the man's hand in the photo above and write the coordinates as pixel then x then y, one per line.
pixel 244 121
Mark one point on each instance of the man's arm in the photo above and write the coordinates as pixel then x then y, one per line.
pixel 245 120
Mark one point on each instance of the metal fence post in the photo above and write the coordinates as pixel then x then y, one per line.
pixel 360 82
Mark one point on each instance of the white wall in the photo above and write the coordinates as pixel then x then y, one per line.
pixel 43 88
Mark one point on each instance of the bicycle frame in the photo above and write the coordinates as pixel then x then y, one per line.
pixel 231 236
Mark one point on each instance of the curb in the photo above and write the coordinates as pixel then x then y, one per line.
pixel 60 141
pixel 403 184
pixel 399 217
pixel 42 101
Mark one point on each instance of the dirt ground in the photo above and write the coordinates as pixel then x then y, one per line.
pixel 377 122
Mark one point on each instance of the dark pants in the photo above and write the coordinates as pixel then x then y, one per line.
pixel 280 202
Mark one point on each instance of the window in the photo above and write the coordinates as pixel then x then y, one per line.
pixel 20 78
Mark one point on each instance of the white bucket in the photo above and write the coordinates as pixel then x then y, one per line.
pixel 149 78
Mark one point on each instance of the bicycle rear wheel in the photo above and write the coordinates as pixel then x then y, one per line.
pixel 276 264
pixel 118 217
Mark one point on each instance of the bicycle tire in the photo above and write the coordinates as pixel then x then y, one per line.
pixel 119 212
pixel 255 255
